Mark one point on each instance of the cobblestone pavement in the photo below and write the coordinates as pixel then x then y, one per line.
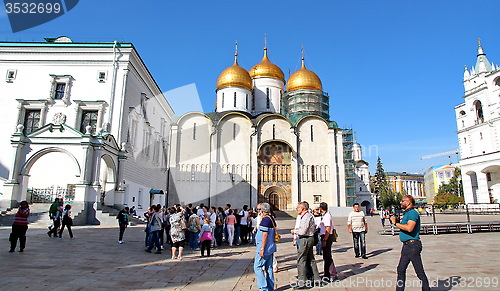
pixel 95 261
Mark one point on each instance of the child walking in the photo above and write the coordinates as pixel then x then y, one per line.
pixel 206 237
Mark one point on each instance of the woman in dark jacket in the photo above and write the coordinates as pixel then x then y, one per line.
pixel 122 222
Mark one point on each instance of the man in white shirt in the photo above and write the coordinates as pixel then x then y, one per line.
pixel 244 224
pixel 326 232
pixel 357 225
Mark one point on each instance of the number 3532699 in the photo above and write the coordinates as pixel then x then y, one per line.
pixel 32 8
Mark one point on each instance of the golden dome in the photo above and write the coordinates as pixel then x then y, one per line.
pixel 234 76
pixel 303 79
pixel 266 69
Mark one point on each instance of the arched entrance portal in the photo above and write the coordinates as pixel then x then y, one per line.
pixel 367 205
pixel 107 180
pixel 50 173
pixel 275 174
pixel 277 197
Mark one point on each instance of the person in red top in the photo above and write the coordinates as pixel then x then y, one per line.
pixel 19 227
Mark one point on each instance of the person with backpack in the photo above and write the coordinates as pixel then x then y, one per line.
pixel 194 227
pixel 123 220
pixel 67 221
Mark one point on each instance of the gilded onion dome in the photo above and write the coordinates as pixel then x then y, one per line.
pixel 266 69
pixel 303 79
pixel 234 76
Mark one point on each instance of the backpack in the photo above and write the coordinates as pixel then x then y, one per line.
pixel 192 226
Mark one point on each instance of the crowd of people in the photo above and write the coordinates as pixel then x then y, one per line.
pixel 202 228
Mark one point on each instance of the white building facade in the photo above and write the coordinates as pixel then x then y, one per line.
pixel 478 122
pixel 83 121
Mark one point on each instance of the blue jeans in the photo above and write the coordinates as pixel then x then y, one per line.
pixel 154 239
pixel 260 264
pixel 359 243
pixel 193 239
pixel 411 253
pixel 237 231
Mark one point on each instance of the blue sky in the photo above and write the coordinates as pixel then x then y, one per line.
pixel 393 69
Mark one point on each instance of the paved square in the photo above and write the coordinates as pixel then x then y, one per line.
pixel 95 261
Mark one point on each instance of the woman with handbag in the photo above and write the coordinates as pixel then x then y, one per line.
pixel 67 221
pixel 206 237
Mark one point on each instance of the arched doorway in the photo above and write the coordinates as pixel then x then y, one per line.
pixel 275 174
pixel 276 196
pixel 107 180
pixel 474 185
pixel 367 205
pixel 50 173
pixel 274 200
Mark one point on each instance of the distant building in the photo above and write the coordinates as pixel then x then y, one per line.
pixel 412 184
pixel 362 180
pixel 436 176
pixel 478 122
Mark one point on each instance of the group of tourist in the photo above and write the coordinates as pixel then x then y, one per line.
pixel 201 227
pixel 208 228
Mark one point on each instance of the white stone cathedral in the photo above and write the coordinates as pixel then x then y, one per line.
pixel 269 139
pixel 478 122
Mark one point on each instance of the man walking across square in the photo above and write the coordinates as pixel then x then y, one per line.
pixel 266 247
pixel 409 235
pixel 357 225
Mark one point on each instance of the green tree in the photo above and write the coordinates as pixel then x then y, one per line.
pixel 379 182
pixel 388 197
pixel 451 193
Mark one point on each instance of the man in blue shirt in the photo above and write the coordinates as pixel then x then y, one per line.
pixel 409 235
pixel 266 247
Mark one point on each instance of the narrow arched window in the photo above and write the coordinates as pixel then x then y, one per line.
pixel 246 101
pixel 222 100
pixel 234 99
pixel 268 98
pixel 312 133
pixel 479 111
pixel 253 100
pixel 194 131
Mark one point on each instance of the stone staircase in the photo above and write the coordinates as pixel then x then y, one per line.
pixel 39 216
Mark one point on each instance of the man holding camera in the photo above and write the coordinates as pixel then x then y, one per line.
pixel 409 235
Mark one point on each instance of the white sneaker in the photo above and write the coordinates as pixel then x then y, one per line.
pixel 120 241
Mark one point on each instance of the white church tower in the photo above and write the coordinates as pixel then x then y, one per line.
pixel 362 183
pixel 478 122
